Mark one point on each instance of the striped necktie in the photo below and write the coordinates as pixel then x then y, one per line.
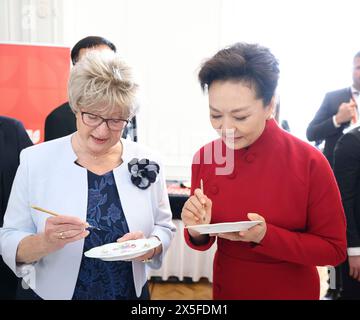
pixel 356 98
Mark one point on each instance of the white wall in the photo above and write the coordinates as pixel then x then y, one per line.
pixel 315 42
pixel 31 21
pixel 166 41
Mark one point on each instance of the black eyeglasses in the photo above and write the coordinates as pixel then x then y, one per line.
pixel 93 120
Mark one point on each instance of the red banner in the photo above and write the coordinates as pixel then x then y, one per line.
pixel 33 82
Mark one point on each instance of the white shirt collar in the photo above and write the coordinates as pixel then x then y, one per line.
pixel 354 91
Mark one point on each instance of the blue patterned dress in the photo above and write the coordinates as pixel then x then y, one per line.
pixel 104 280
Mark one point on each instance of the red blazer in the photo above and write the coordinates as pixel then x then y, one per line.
pixel 290 184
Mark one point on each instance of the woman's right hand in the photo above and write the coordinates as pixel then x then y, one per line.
pixel 62 230
pixel 59 231
pixel 196 210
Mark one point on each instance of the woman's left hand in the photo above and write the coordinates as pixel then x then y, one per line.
pixel 140 235
pixel 254 234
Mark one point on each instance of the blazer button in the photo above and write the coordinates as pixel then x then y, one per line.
pixel 214 189
pixel 250 158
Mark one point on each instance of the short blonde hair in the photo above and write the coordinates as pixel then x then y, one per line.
pixel 102 82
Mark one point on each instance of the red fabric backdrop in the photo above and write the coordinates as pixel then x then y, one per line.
pixel 33 81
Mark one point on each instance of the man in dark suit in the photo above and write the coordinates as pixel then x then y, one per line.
pixel 335 114
pixel 61 121
pixel 13 138
pixel 347 172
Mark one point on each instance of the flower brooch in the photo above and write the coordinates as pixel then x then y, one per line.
pixel 143 172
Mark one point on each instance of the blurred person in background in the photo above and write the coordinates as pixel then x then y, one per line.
pixel 338 111
pixel 347 172
pixel 337 114
pixel 13 139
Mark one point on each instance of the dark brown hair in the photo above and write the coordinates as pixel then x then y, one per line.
pixel 252 64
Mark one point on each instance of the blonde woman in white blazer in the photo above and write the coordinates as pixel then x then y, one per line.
pixel 90 177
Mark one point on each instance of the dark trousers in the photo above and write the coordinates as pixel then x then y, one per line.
pixel 8 282
pixel 28 294
pixel 350 286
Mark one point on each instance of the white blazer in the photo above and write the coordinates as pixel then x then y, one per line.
pixel 48 177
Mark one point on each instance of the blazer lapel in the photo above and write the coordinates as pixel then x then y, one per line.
pixel 135 202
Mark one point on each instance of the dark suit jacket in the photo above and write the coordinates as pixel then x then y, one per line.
pixel 60 122
pixel 322 127
pixel 13 138
pixel 347 172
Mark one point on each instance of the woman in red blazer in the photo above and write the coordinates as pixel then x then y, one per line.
pixel 267 175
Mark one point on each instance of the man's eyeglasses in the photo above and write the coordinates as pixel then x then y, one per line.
pixel 93 120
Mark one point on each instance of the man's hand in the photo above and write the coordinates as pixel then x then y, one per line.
pixel 346 111
pixel 354 266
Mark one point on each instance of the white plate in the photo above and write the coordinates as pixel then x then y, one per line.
pixel 224 227
pixel 123 251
